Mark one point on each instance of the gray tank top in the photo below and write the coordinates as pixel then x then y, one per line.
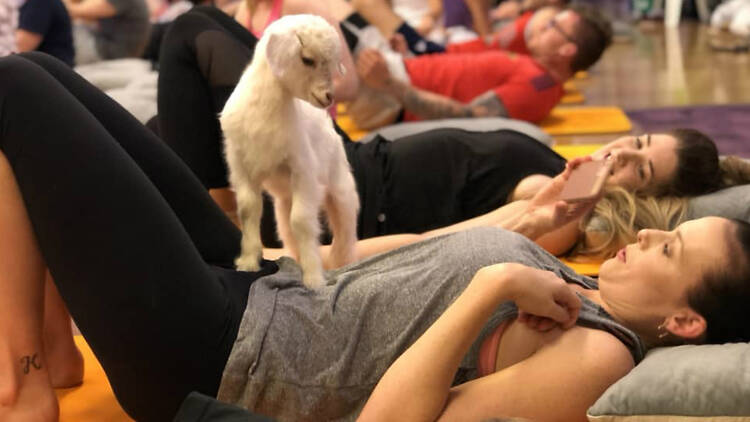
pixel 317 354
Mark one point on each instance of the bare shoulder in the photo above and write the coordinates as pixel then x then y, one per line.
pixel 596 359
pixel 559 382
pixel 599 350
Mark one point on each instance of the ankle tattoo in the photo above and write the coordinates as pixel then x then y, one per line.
pixel 30 361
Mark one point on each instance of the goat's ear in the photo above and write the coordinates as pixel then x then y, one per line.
pixel 342 69
pixel 280 47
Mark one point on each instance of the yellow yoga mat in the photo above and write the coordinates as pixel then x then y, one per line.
pixel 572 97
pixel 573 151
pixel 561 121
pixel 93 400
pixel 347 125
pixel 585 268
pixel 586 120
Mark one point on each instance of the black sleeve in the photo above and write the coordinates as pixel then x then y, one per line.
pixel 35 16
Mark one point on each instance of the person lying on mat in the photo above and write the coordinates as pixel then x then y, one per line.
pixel 143 257
pixel 420 182
pixel 490 83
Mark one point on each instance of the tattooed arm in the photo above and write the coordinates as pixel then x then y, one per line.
pixel 425 104
pixel 429 105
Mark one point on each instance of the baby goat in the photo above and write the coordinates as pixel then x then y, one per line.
pixel 279 138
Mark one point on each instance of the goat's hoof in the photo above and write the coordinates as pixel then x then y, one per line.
pixel 313 281
pixel 247 263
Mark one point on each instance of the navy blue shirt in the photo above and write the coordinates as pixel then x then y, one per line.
pixel 50 19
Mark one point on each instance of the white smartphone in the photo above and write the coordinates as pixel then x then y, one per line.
pixel 586 181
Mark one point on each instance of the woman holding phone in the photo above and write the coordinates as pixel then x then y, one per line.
pixel 420 182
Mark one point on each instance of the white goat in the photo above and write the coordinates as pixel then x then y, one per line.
pixel 280 138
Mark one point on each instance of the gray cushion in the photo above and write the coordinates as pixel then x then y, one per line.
pixel 474 124
pixel 731 202
pixel 688 381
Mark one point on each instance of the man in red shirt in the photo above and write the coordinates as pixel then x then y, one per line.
pixel 494 83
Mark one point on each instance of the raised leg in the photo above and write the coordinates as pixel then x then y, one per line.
pixel 25 390
pixel 113 215
pixel 64 358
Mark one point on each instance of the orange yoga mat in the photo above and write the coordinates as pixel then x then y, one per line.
pixel 92 401
pixel 586 120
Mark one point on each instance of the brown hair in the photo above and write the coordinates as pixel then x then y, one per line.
pixel 723 294
pixel 697 165
pixel 619 215
pixel 592 35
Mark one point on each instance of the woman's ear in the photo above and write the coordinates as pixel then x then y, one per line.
pixel 686 324
pixel 568 50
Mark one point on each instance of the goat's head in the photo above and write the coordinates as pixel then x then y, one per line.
pixel 303 52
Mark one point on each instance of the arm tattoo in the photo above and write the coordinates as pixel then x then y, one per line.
pixel 30 361
pixel 429 105
pixel 433 106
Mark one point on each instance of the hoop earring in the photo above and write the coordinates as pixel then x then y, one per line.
pixel 662 327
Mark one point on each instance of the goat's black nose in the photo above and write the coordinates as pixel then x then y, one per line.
pixel 328 97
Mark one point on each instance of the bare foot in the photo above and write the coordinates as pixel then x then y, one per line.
pixel 28 398
pixel 65 365
pixel 31 406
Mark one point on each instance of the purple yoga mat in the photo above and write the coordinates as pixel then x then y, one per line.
pixel 728 125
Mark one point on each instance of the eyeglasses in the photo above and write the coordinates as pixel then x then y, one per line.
pixel 553 24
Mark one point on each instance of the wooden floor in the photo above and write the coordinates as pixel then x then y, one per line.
pixel 659 67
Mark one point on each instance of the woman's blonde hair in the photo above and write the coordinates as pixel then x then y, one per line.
pixel 734 171
pixel 619 215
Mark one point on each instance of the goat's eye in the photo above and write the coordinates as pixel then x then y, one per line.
pixel 308 61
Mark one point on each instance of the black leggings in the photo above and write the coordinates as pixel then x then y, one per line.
pixel 202 57
pixel 140 253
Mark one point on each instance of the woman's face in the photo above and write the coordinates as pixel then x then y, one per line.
pixel 649 280
pixel 640 163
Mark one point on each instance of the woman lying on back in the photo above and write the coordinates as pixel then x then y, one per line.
pixel 143 259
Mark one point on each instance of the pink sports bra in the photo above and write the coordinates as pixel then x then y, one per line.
pixel 274 15
pixel 488 350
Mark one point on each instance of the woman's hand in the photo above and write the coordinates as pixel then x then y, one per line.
pixel 546 212
pixel 540 295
